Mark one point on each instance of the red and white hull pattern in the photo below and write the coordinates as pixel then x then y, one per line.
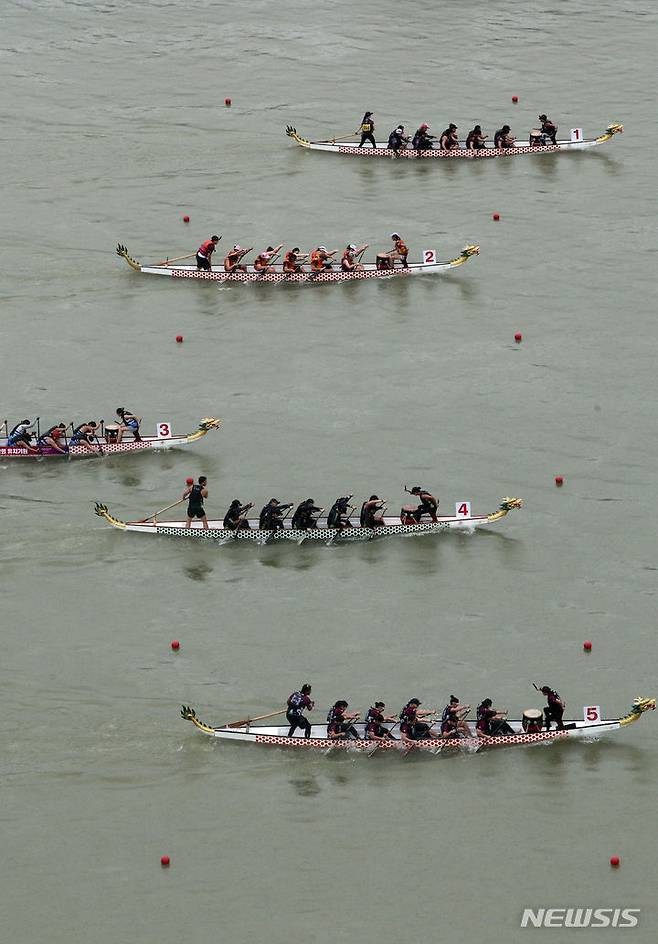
pixel 461 153
pixel 277 736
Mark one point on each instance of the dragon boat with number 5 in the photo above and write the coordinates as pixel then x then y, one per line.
pixel 577 143
pixel 392 527
pixel 429 266
pixel 107 444
pixel 592 727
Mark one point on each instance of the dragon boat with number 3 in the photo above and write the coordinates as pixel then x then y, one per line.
pixel 429 266
pixel 393 526
pixel 592 727
pixel 107 444
pixel 577 143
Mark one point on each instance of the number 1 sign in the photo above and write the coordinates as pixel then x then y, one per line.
pixel 576 134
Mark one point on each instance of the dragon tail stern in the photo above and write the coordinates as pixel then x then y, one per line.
pixel 123 252
pixel 103 512
pixel 297 138
pixel 189 714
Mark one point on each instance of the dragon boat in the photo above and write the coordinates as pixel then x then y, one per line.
pixel 108 445
pixel 592 727
pixel 322 533
pixel 576 143
pixel 429 266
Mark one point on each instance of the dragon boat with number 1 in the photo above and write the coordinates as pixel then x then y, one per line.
pixel 392 526
pixel 592 727
pixel 577 143
pixel 107 443
pixel 429 266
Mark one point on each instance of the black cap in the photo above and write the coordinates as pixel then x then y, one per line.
pixel 214 239
pixel 380 704
pixel 454 698
pixel 542 117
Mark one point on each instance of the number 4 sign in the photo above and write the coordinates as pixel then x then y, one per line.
pixel 463 509
pixel 164 431
pixel 592 713
pixel 429 256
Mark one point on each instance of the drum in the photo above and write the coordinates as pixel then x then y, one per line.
pixel 111 433
pixel 408 514
pixel 532 719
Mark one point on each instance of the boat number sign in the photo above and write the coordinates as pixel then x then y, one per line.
pixel 462 509
pixel 592 713
pixel 576 134
pixel 164 431
pixel 429 256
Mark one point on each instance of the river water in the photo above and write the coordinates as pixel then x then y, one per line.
pixel 113 128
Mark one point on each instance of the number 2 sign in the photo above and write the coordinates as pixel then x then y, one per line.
pixel 463 509
pixel 164 431
pixel 592 713
pixel 429 256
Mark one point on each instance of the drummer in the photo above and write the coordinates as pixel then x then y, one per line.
pixel 554 709
pixel 129 423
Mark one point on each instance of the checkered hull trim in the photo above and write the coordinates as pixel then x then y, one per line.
pixel 301 277
pixel 432 744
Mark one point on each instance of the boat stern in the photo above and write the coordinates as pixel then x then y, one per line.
pixel 189 714
pixel 123 252
pixel 103 512
pixel 297 138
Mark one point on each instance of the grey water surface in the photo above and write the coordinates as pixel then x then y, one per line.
pixel 113 128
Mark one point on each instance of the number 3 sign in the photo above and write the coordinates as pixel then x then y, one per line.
pixel 164 431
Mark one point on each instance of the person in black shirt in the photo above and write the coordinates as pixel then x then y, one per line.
pixel 305 516
pixel 367 128
pixel 548 128
pixel 195 495
pixel 235 518
pixel 271 516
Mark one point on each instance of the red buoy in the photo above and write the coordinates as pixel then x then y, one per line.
pixel 186 219
pixel 587 646
pixel 175 645
pixel 559 480
pixel 496 217
pixel 189 481
pixel 615 861
pixel 518 337
pixel 179 339
pixel 227 102
pixel 515 99
pixel 165 861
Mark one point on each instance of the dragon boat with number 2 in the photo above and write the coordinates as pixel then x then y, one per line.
pixel 392 526
pixel 107 443
pixel 592 727
pixel 429 266
pixel 577 143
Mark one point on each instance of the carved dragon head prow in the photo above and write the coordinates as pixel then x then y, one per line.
pixel 639 706
pixel 466 254
pixel 506 505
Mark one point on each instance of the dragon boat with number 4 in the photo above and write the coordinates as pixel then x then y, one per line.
pixel 106 443
pixel 592 727
pixel 275 274
pixel 462 520
pixel 577 143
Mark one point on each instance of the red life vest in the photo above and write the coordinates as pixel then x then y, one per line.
pixel 206 249
pixel 317 260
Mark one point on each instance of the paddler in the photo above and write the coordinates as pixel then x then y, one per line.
pixel 52 438
pixel 554 709
pixel 195 495
pixel 293 259
pixel 548 128
pixel 320 258
pixel 235 518
pixel 21 436
pixel 263 259
pixel 348 261
pixel 375 723
pixel 423 140
pixel 305 515
pixel 129 423
pixel 399 251
pixel 449 138
pixel 204 253
pixel 428 503
pixel 271 515
pixel 232 259
pixel 370 516
pixel 475 139
pixel 297 703
pixel 397 139
pixel 339 721
pixel 503 138
pixel 367 128
pixel 411 727
pixel 83 435
pixel 339 514
pixel 452 719
pixel 491 721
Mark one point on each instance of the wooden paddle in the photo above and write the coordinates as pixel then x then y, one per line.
pixel 245 721
pixel 155 515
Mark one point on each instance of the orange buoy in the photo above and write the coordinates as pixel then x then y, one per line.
pixel 175 645
pixel 587 646
pixel 496 217
pixel 165 861
pixel 559 480
pixel 518 337
pixel 179 339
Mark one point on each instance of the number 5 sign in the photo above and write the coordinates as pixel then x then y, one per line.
pixel 592 713
pixel 429 256
pixel 164 431
pixel 462 510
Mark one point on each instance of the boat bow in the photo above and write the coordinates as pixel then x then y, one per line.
pixel 123 252
pixel 507 505
pixel 639 706
pixel 103 512
pixel 466 254
pixel 206 424
pixel 609 132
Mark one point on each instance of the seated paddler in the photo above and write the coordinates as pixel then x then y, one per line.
pixel 423 140
pixel 21 436
pixel 449 138
pixel 475 139
pixel 371 513
pixel 428 503
pixel 503 138
pixel 53 438
pixel 321 258
pixel 452 719
pixel 293 259
pixel 84 435
pixel 233 259
pixel 491 721
pixel 339 721
pixel 412 728
pixel 339 514
pixel 376 721
pixel 235 518
pixel 263 261
pixel 272 515
pixel 351 253
pixel 397 139
pixel 306 515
